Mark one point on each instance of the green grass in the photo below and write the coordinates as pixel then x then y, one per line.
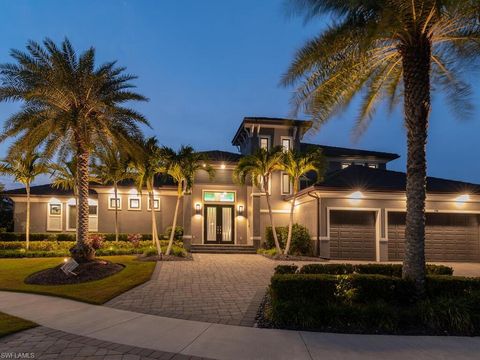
pixel 14 271
pixel 10 324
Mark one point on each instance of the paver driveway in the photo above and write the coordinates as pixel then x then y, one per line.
pixel 225 289
pixel 216 288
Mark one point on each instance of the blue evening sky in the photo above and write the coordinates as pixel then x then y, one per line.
pixel 207 64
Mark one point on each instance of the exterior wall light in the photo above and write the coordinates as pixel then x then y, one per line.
pixel 240 210
pixel 222 166
pixel 357 195
pixel 462 199
pixel 198 209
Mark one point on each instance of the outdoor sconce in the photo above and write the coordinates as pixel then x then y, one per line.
pixel 198 209
pixel 240 210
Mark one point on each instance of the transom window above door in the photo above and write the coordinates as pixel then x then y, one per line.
pixel 219 196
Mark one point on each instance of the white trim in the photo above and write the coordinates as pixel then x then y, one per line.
pixel 49 226
pixel 290 186
pixel 135 197
pixel 377 224
pixel 265 211
pixel 110 198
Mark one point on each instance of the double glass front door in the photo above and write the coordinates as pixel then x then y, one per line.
pixel 219 224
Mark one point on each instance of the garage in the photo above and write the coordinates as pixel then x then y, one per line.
pixel 448 237
pixel 352 235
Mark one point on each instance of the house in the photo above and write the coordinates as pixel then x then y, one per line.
pixel 357 212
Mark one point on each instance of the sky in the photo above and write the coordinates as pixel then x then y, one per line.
pixel 205 65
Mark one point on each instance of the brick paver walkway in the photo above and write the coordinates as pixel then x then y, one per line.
pixel 44 343
pixel 217 288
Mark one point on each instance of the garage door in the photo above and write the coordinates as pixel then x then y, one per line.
pixel 352 235
pixel 448 237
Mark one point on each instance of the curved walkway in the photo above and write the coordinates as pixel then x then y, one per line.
pixel 219 341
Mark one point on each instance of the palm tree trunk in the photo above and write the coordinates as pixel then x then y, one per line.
pixel 416 77
pixel 115 190
pixel 274 231
pixel 174 225
pixel 83 252
pixel 155 239
pixel 290 226
pixel 27 225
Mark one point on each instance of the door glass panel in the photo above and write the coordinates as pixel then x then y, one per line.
pixel 211 223
pixel 72 216
pixel 227 224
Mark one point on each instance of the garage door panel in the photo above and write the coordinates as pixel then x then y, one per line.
pixel 448 237
pixel 352 235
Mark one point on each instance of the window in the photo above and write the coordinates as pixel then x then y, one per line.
pixel 92 217
pixel 219 196
pixel 373 166
pixel 265 143
pixel 286 143
pixel 156 204
pixel 54 217
pixel 92 210
pixel 134 203
pixel 112 201
pixel 345 165
pixel 286 184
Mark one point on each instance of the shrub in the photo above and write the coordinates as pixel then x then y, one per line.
pixel 378 269
pixel 268 252
pixel 178 232
pixel 95 241
pixel 11 236
pixel 286 269
pixel 301 244
pixel 135 239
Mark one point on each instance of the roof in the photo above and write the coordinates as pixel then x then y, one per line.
pixel 46 189
pixel 334 151
pixel 218 155
pixel 307 124
pixel 368 179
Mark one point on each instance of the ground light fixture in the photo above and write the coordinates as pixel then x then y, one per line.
pixel 198 209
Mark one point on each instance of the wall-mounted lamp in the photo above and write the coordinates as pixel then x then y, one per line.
pixel 240 210
pixel 222 166
pixel 355 197
pixel 462 199
pixel 198 209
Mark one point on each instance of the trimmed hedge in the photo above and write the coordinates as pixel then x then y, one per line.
pixel 375 304
pixel 12 236
pixel 344 269
pixel 301 242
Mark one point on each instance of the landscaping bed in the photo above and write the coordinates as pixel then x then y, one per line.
pixel 93 270
pixel 376 301
pixel 273 255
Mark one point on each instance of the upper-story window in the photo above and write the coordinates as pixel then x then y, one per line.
pixel 264 142
pixel 373 166
pixel 286 184
pixel 286 143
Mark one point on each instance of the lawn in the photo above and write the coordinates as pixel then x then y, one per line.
pixel 11 324
pixel 14 271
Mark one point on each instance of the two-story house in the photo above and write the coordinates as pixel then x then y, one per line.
pixel 357 212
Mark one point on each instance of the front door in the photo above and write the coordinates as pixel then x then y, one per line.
pixel 219 224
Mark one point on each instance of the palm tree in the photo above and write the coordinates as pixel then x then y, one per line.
pixel 113 168
pixel 65 176
pixel 182 166
pixel 146 166
pixel 386 50
pixel 24 167
pixel 296 165
pixel 259 167
pixel 69 103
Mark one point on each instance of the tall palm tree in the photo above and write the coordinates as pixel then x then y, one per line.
pixel 69 103
pixel 259 167
pixel 64 176
pixel 296 165
pixel 113 167
pixel 388 50
pixel 146 166
pixel 182 166
pixel 24 167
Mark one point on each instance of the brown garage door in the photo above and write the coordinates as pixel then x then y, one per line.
pixel 352 235
pixel 448 237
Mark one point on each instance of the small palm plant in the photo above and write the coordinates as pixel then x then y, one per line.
pixel 24 168
pixel 69 103
pixel 112 168
pixel 389 50
pixel 146 166
pixel 259 167
pixel 64 176
pixel 182 166
pixel 296 165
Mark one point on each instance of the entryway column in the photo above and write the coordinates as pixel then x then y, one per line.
pixel 187 221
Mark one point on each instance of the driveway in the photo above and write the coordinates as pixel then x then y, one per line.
pixel 215 288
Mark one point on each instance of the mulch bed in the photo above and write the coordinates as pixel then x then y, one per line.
pixel 294 258
pixel 188 257
pixel 94 270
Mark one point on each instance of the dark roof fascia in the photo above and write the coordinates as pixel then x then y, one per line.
pixel 353 153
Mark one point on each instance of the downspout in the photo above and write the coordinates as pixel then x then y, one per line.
pixel 315 196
